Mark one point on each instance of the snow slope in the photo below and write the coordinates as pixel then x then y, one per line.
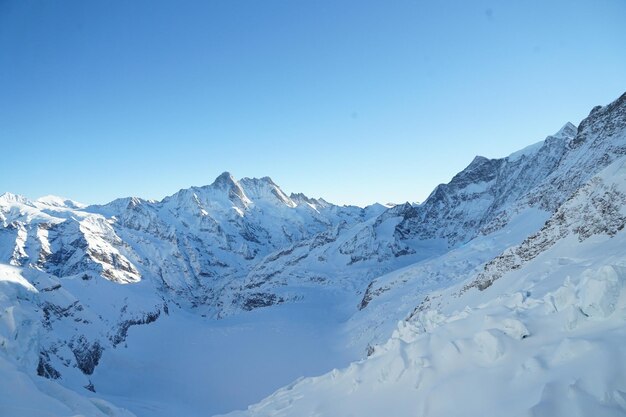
pixel 22 392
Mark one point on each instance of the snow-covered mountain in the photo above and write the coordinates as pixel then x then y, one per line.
pixel 538 331
pixel 482 199
pixel 188 244
pixel 513 271
pixel 97 271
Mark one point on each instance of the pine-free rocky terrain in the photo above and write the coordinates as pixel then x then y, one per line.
pixel 503 293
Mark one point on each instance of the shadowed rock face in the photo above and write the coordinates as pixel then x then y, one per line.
pixel 87 354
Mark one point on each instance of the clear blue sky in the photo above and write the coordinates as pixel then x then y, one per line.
pixel 355 101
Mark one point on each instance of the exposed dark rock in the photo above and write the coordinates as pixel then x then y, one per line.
pixel 370 294
pixel 122 330
pixel 260 299
pixel 87 354
pixel 53 312
pixel 45 369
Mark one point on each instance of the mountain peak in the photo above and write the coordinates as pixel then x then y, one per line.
pixel 269 181
pixel 224 180
pixel 315 203
pixel 478 160
pixel 568 130
pixel 477 163
pixel 57 201
pixel 607 119
pixel 13 198
pixel 236 194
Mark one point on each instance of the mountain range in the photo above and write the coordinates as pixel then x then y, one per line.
pixel 501 294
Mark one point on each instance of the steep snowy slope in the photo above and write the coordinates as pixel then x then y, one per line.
pixel 22 326
pixel 538 332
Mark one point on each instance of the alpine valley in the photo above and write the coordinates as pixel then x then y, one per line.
pixel 503 293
